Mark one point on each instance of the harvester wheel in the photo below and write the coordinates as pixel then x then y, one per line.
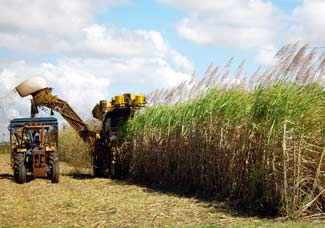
pixel 20 172
pixel 100 170
pixel 54 163
pixel 100 162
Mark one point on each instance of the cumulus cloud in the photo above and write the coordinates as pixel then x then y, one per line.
pixel 309 22
pixel 60 16
pixel 68 28
pixel 246 24
pixel 46 26
pixel 107 40
pixel 232 23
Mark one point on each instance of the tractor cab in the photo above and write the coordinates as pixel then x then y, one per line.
pixel 34 148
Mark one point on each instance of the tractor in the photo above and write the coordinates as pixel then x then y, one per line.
pixel 34 148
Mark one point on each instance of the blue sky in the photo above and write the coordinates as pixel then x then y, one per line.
pixel 89 50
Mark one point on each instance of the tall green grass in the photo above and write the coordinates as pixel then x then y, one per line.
pixel 264 149
pixel 258 141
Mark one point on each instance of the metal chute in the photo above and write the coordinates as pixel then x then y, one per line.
pixel 30 86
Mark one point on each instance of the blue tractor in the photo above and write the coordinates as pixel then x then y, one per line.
pixel 34 148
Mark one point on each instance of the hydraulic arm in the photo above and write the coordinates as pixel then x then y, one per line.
pixel 45 98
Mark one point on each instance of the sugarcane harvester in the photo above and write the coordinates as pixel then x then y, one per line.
pixel 113 114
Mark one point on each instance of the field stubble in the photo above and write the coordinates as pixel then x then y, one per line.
pixel 82 201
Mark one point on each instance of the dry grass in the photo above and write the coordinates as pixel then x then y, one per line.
pixel 82 201
pixel 4 147
pixel 73 149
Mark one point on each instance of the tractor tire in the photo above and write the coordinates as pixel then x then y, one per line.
pixel 100 163
pixel 54 164
pixel 20 172
pixel 100 170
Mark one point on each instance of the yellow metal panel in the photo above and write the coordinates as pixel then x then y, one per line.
pixel 109 105
pixel 50 148
pixel 139 100
pixel 119 100
pixel 21 150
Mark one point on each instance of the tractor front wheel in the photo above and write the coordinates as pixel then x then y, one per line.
pixel 20 172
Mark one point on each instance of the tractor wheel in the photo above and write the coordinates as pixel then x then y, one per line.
pixel 98 172
pixel 100 163
pixel 54 164
pixel 20 172
pixel 100 169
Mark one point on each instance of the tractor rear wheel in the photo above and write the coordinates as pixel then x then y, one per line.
pixel 20 172
pixel 54 164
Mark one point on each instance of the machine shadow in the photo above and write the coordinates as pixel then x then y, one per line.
pixel 79 176
pixel 218 204
pixel 6 176
pixel 10 177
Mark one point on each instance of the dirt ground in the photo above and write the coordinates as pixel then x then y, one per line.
pixel 80 200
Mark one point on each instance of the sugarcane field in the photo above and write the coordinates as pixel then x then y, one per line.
pixel 113 115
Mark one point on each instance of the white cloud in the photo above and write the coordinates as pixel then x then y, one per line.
pixel 60 16
pixel 265 55
pixel 68 28
pixel 232 23
pixel 251 24
pixel 46 26
pixel 101 41
pixel 309 22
